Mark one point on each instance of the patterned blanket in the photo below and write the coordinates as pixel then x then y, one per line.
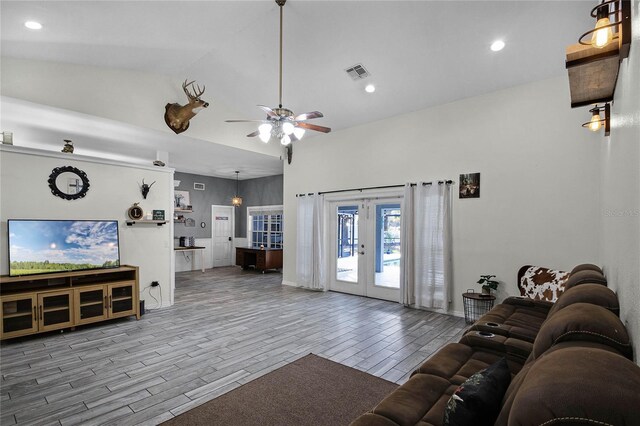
pixel 540 283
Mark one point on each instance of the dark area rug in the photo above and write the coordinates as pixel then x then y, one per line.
pixel 309 391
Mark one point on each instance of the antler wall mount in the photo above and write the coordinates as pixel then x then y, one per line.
pixel 177 116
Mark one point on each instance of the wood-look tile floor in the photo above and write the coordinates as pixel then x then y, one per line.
pixel 227 327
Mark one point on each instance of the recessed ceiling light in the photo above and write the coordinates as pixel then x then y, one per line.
pixel 370 88
pixel 33 25
pixel 497 45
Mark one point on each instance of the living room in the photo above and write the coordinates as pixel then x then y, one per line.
pixel 553 194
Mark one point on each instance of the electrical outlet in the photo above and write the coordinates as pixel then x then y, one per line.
pixel 155 283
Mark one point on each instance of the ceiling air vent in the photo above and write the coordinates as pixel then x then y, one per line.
pixel 357 72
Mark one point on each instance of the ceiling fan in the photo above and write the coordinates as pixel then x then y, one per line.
pixel 281 123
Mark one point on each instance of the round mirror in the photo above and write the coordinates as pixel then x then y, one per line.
pixel 68 182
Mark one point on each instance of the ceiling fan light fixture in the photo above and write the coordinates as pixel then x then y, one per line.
pixel 264 137
pixel 286 140
pixel 265 128
pixel 298 132
pixel 281 122
pixel 287 128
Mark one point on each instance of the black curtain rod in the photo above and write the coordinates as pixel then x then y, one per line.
pixel 440 182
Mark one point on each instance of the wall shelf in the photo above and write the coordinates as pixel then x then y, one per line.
pixel 592 73
pixel 146 222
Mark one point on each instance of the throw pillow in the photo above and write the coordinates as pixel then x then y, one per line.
pixel 477 401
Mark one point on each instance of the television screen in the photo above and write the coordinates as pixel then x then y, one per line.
pixel 46 246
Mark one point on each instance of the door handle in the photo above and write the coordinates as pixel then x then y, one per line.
pixel 361 252
pixel 229 238
pixel 110 299
pixel 106 306
pixel 35 313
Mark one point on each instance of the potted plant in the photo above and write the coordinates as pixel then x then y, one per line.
pixel 488 283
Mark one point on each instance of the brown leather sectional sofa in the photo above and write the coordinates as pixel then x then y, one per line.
pixel 570 362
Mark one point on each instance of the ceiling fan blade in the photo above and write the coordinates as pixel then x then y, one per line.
pixel 309 116
pixel 269 111
pixel 315 127
pixel 256 133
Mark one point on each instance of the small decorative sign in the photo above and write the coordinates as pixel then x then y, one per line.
pixel 469 185
pixel 158 215
pixel 222 218
pixel 198 186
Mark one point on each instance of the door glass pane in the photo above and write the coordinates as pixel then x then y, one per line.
pixel 387 248
pixel 347 237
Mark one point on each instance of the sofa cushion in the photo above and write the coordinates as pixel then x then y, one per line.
pixel 596 294
pixel 584 277
pixel 412 401
pixel 577 385
pixel 586 267
pixel 583 322
pixel 477 400
pixel 540 283
pixel 456 362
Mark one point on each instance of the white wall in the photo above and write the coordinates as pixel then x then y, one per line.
pixel 620 208
pixel 25 194
pixel 539 177
pixel 116 94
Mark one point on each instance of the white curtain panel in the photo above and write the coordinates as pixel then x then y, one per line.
pixel 310 243
pixel 432 246
pixel 407 232
pixel 318 281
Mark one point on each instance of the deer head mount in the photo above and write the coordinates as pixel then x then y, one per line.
pixel 177 116
pixel 145 188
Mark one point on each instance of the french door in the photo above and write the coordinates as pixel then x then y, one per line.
pixel 365 247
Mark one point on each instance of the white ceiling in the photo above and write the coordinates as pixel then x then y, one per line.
pixel 420 53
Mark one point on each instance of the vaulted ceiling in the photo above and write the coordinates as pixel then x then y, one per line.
pixel 419 53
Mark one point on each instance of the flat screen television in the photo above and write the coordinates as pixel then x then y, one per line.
pixel 47 246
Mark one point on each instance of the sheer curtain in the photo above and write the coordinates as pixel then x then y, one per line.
pixel 426 271
pixel 407 232
pixel 310 249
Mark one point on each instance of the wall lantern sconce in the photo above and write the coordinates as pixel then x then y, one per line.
pixel 603 32
pixel 236 201
pixel 597 122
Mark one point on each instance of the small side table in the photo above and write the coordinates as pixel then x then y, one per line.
pixel 476 305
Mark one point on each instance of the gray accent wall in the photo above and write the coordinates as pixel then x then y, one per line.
pixel 265 191
pixel 218 191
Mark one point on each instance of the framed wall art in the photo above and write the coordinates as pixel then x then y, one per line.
pixel 469 185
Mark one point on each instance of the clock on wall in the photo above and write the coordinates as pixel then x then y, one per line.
pixel 135 212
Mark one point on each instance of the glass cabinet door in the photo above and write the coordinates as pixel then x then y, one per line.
pixel 55 310
pixel 121 300
pixel 91 304
pixel 19 315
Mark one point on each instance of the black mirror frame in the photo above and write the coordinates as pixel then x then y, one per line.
pixel 64 169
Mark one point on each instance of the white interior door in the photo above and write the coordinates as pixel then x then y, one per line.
pixel 222 229
pixel 365 247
